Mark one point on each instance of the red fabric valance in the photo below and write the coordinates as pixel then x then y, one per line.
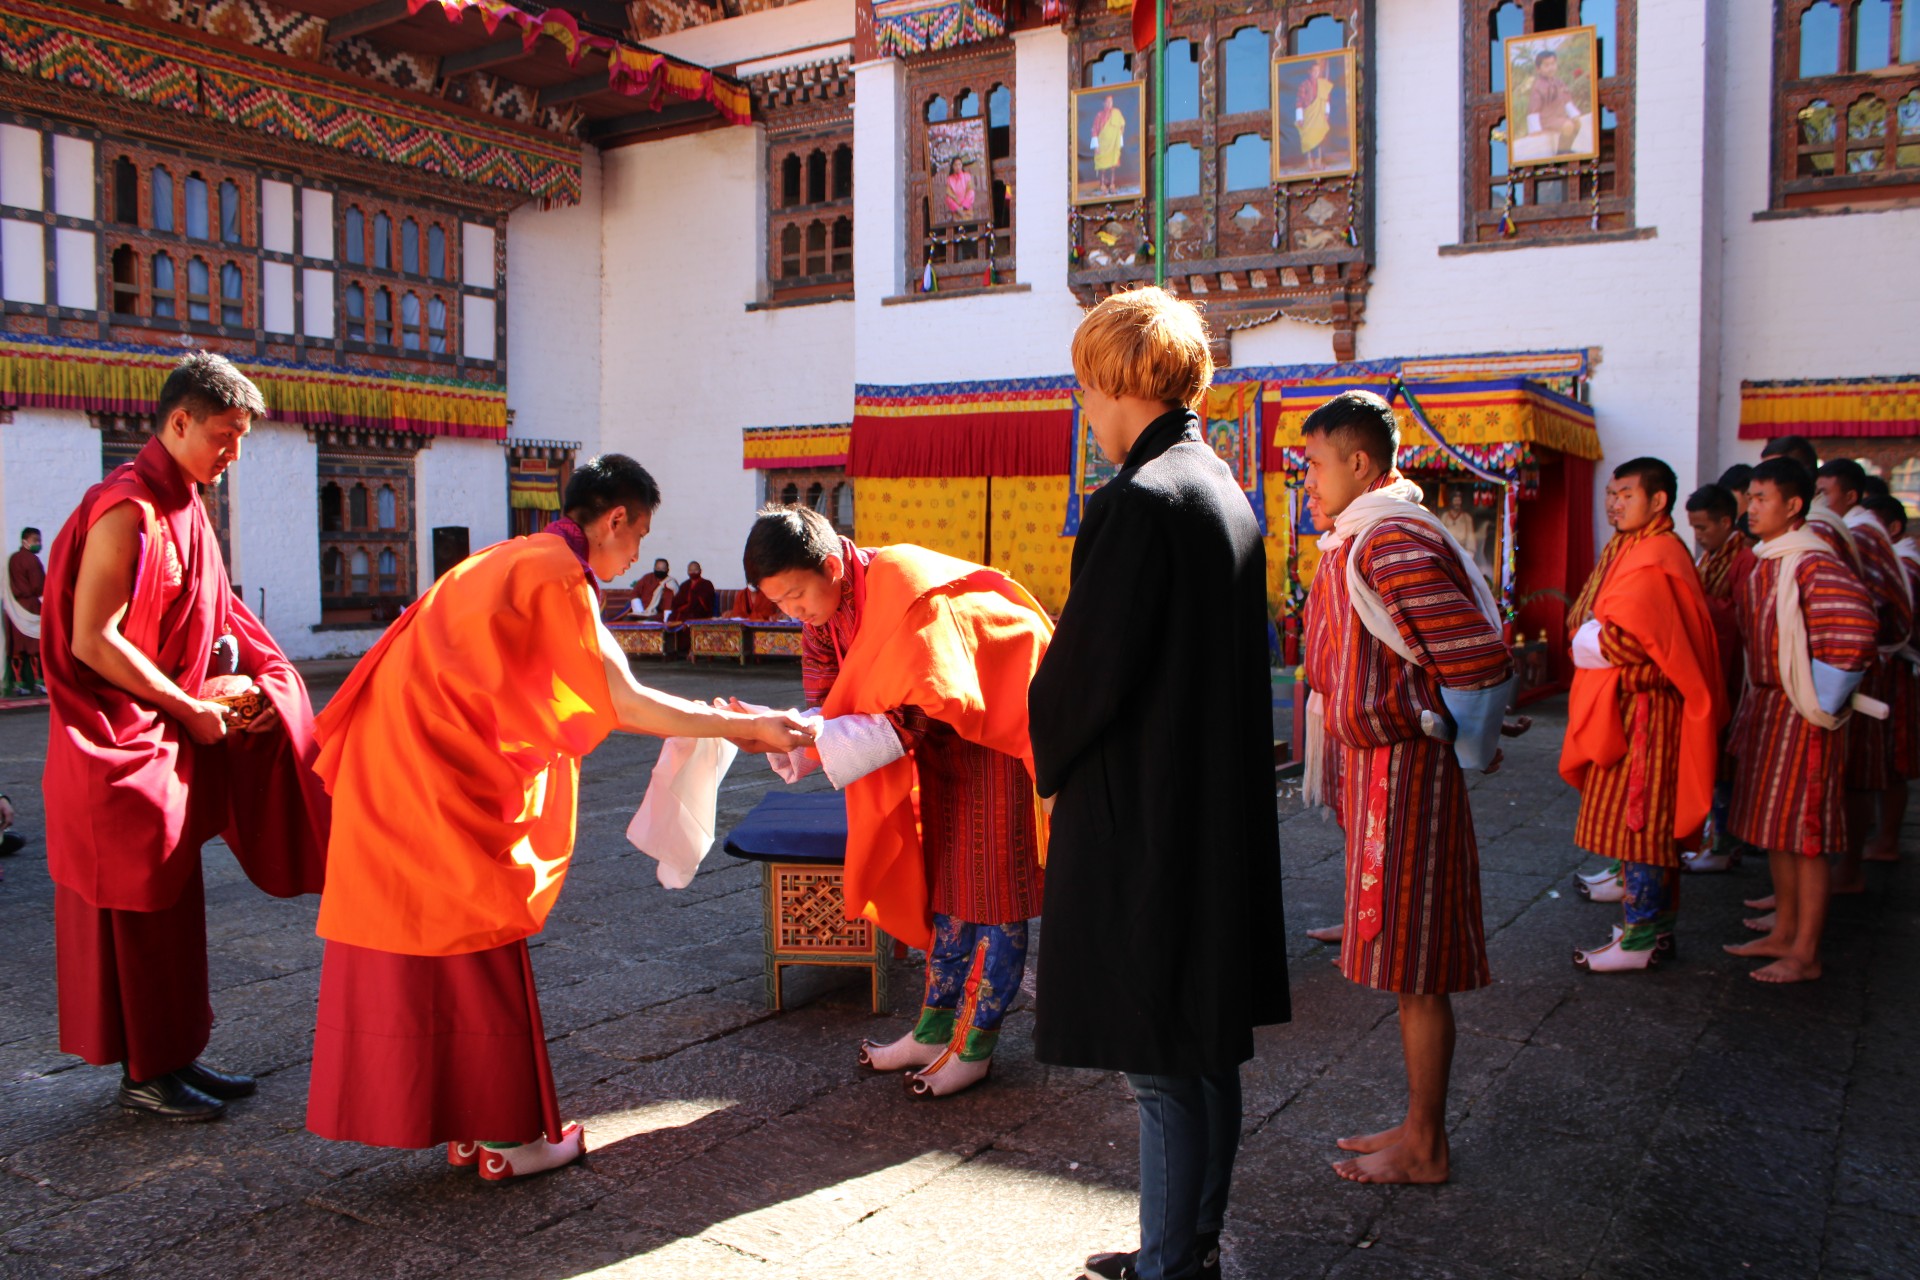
pixel 1034 442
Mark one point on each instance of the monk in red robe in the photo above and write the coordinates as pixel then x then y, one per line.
pixel 1724 558
pixel 1842 485
pixel 696 597
pixel 1404 646
pixel 1644 714
pixel 653 593
pixel 1808 626
pixel 453 757
pixel 919 665
pixel 755 606
pixel 26 583
pixel 143 766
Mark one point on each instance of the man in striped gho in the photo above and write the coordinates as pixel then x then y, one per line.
pixel 1903 693
pixel 1644 713
pixel 1841 486
pixel 1724 557
pixel 1405 653
pixel 1808 628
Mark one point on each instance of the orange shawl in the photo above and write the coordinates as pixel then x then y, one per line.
pixel 961 643
pixel 453 757
pixel 1653 592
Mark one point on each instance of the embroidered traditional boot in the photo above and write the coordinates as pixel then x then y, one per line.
pixel 960 1067
pixel 500 1161
pixel 920 1047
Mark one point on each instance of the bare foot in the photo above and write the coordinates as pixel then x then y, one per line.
pixel 1767 903
pixel 1785 970
pixel 1333 934
pixel 1764 947
pixel 1760 924
pixel 1398 1163
pixel 1368 1143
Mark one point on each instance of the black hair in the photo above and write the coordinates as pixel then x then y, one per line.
pixel 1358 420
pixel 1799 448
pixel 1888 508
pixel 1734 478
pixel 205 383
pixel 785 538
pixel 1654 476
pixel 27 532
pixel 1789 477
pixel 1716 500
pixel 1851 475
pixel 601 483
pixel 1875 487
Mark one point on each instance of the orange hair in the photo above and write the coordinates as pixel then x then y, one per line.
pixel 1147 343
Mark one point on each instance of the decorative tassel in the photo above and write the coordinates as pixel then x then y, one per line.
pixel 928 281
pixel 1596 194
pixel 1353 236
pixel 1146 249
pixel 1507 227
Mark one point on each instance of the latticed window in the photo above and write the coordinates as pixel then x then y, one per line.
pixel 810 213
pixel 960 176
pixel 1847 109
pixel 1571 172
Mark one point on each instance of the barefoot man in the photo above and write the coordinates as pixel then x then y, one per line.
pixel 453 756
pixel 1644 714
pixel 1404 645
pixel 1808 626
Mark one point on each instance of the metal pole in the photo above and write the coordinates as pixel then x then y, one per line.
pixel 1159 142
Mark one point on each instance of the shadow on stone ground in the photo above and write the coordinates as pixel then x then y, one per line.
pixel 1685 1122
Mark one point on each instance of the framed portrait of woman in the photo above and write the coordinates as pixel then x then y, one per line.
pixel 1108 162
pixel 1553 97
pixel 1314 116
pixel 959 193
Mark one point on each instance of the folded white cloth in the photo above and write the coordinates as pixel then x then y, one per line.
pixel 853 746
pixel 1586 647
pixel 675 822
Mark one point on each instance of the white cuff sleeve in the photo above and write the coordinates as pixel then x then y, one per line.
pixel 1533 122
pixel 851 747
pixel 1586 647
pixel 1834 687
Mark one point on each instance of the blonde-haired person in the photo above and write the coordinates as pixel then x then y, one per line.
pixel 1152 732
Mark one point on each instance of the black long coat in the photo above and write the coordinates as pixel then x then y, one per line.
pixel 1161 944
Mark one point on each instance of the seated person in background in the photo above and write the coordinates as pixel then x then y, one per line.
pixel 696 597
pixel 752 605
pixel 653 594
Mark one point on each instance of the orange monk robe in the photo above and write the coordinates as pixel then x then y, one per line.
pixel 960 643
pixel 453 756
pixel 1653 594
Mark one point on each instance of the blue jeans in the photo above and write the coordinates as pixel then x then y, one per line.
pixel 1189 1135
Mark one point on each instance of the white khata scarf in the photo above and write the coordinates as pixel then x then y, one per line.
pixel 1794 656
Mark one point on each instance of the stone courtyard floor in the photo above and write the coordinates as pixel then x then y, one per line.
pixel 1687 1122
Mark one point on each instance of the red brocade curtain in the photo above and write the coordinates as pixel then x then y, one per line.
pixel 1554 553
pixel 1011 443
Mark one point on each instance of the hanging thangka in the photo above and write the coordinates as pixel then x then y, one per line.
pixel 1090 469
pixel 1231 425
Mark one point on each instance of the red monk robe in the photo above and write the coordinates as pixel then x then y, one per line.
pixel 453 756
pixel 131 798
pixel 1642 741
pixel 27 582
pixel 695 599
pixel 1399 788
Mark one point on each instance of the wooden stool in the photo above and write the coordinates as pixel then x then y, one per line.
pixel 800 842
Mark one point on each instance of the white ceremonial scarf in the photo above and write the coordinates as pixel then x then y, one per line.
pixel 1821 513
pixel 1860 518
pixel 1794 655
pixel 676 821
pixel 666 588
pixel 24 621
pixel 1399 499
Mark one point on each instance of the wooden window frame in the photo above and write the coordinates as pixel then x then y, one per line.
pixel 1890 182
pixel 1482 205
pixel 369 469
pixel 980 68
pixel 834 280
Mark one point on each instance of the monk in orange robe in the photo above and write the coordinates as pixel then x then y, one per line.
pixel 1645 712
pixel 453 756
pixel 142 633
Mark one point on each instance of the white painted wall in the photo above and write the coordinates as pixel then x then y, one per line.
pixel 49 458
pixel 274 527
pixel 685 365
pixel 553 317
pixel 458 482
pixel 1832 296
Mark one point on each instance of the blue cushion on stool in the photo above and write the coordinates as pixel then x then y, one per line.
pixel 786 826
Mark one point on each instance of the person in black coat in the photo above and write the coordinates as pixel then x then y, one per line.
pixel 1161 943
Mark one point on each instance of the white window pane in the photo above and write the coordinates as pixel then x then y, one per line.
pixel 74 269
pixel 316 226
pixel 73 179
pixel 317 314
pixel 20 178
pixel 476 324
pixel 23 261
pixel 276 296
pixel 476 256
pixel 276 217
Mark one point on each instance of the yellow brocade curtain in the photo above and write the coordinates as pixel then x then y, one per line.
pixel 1026 535
pixel 940 513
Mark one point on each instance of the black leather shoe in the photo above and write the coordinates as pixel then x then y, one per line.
pixel 170 1098
pixel 216 1084
pixel 11 842
pixel 1112 1266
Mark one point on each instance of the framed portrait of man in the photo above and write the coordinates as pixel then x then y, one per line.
pixel 1553 97
pixel 1108 162
pixel 960 192
pixel 1314 116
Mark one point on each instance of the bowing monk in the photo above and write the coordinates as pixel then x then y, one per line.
pixel 143 767
pixel 918 664
pixel 1808 626
pixel 453 756
pixel 1404 645
pixel 1644 713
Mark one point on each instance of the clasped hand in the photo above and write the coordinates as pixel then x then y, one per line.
pixel 771 730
